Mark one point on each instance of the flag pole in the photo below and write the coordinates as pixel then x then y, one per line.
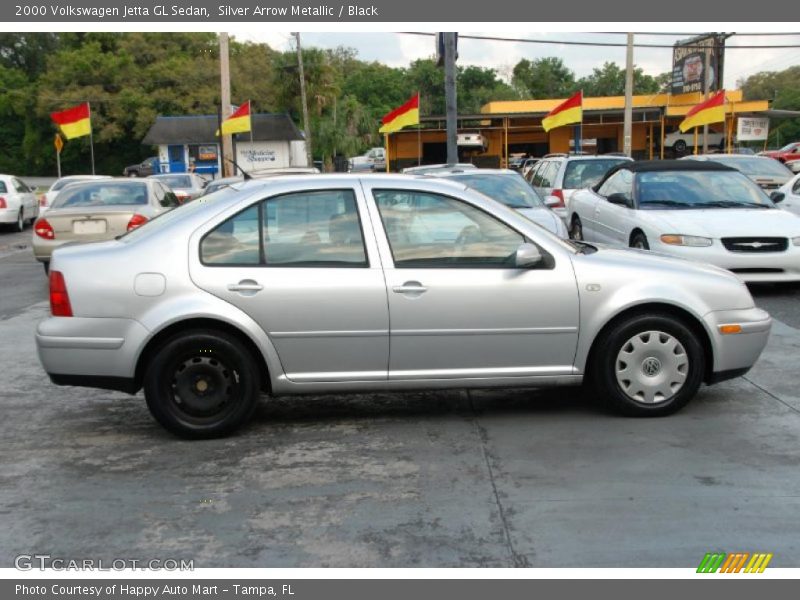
pixel 91 136
pixel 250 112
pixel 695 141
pixel 58 162
pixel 419 135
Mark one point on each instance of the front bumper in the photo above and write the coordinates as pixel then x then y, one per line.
pixel 90 351
pixel 736 353
pixel 751 267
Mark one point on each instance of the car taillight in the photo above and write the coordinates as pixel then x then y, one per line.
pixel 560 195
pixel 182 197
pixel 3 203
pixel 136 221
pixel 59 298
pixel 43 200
pixel 44 230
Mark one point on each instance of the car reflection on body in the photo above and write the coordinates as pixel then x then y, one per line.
pixel 348 283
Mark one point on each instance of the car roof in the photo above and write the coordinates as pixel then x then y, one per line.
pixel 473 172
pixel 723 155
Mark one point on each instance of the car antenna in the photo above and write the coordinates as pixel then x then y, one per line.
pixel 235 164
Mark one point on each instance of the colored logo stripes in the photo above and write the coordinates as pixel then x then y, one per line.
pixel 721 562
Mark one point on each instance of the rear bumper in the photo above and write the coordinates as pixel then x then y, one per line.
pixel 91 352
pixel 8 215
pixel 735 354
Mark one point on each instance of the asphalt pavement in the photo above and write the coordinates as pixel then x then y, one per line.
pixel 485 478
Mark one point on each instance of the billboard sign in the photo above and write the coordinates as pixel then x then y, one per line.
pixel 752 129
pixel 689 64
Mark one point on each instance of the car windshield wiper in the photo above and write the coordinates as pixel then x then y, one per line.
pixel 674 203
pixel 519 206
pixel 730 204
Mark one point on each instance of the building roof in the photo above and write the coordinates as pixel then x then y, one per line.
pixel 201 129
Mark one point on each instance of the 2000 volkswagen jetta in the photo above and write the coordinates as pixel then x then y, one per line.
pixel 354 283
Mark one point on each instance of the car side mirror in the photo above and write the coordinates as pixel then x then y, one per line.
pixel 552 201
pixel 620 200
pixel 777 197
pixel 527 256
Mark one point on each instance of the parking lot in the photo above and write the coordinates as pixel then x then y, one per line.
pixel 447 479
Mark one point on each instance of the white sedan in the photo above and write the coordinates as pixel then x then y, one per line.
pixel 702 211
pixel 46 199
pixel 17 202
pixel 788 196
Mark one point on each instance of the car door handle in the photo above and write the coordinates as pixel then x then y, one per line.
pixel 246 285
pixel 410 287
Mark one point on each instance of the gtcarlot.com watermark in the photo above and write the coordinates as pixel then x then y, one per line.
pixel 46 562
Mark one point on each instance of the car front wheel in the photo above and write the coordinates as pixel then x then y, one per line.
pixel 649 366
pixel 679 147
pixel 202 384
pixel 576 228
pixel 639 240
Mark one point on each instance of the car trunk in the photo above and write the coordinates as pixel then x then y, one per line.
pixel 82 224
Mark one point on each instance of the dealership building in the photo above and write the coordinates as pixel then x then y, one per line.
pixel 505 128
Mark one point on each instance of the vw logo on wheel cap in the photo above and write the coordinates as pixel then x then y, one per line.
pixel 651 366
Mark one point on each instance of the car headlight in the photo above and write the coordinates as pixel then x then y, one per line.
pixel 674 239
pixel 796 241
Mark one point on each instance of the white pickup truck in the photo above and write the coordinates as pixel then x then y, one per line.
pixel 373 160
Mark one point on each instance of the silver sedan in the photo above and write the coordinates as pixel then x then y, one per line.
pixel 351 283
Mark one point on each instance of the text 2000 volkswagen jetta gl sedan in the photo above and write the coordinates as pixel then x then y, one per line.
pixel 354 283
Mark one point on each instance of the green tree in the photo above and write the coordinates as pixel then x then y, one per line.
pixel 545 77
pixel 783 88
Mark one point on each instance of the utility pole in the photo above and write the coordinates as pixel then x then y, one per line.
pixel 627 128
pixel 451 102
pixel 225 103
pixel 706 89
pixel 306 126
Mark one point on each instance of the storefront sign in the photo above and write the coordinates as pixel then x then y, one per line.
pixel 751 129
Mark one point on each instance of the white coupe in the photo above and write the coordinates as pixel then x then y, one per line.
pixel 702 211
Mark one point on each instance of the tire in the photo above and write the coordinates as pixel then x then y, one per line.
pixel 679 147
pixel 639 240
pixel 663 372
pixel 19 226
pixel 46 265
pixel 222 365
pixel 576 228
pixel 133 173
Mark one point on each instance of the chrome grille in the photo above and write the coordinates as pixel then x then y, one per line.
pixel 755 244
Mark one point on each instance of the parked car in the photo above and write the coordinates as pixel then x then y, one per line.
pixel 46 199
pixel 98 210
pixel 439 168
pixel 793 165
pixel 528 165
pixel 785 154
pixel 511 189
pixel 681 142
pixel 302 284
pixel 149 166
pixel 559 175
pixel 767 173
pixel 373 160
pixel 515 161
pixel 18 203
pixel 186 186
pixel 788 196
pixel 700 210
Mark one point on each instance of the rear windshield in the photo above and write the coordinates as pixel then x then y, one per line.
pixel 585 173
pixel 64 181
pixel 102 194
pixel 177 181
pixel 755 166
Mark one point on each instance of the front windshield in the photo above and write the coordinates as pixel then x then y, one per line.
pixel 585 173
pixel 511 190
pixel 177 181
pixel 755 166
pixel 659 190
pixel 180 212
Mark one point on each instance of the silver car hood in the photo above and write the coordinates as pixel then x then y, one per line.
pixel 544 217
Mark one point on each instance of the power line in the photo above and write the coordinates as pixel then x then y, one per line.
pixel 690 33
pixel 596 44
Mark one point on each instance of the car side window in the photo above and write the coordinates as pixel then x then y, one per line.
pixel 19 186
pixel 428 230
pixel 549 174
pixel 165 196
pixel 796 187
pixel 620 182
pixel 3 188
pixel 536 178
pixel 319 228
pixel 233 242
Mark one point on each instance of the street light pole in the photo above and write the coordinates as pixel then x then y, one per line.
pixel 306 125
pixel 225 103
pixel 451 101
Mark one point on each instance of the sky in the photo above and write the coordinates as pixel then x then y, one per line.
pixel 398 50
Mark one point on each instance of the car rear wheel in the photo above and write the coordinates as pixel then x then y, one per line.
pixel 20 224
pixel 202 384
pixel 679 147
pixel 649 366
pixel 576 228
pixel 639 240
